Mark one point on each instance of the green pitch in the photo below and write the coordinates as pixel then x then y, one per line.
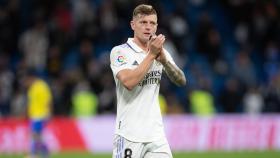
pixel 223 154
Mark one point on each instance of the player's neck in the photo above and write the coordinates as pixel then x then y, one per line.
pixel 141 44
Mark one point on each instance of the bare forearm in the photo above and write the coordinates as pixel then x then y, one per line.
pixel 175 74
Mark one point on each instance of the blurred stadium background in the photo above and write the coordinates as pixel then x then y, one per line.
pixel 228 49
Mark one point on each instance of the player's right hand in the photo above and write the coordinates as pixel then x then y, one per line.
pixel 155 44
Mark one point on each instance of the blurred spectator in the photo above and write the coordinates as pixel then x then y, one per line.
pixel 202 102
pixel 39 111
pixel 69 79
pixel 107 93
pixel 179 31
pixel 6 86
pixel 80 57
pixel 83 11
pixel 84 100
pixel 54 63
pixel 243 69
pixel 273 25
pixel 174 106
pixel 253 101
pixel 271 61
pixel 108 21
pixel 242 34
pixel 208 39
pixel 85 17
pixel 272 95
pixel 18 104
pixel 231 96
pixel 61 25
pixel 9 26
pixel 34 44
pixel 62 16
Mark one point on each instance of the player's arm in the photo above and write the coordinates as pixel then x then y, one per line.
pixel 174 73
pixel 131 78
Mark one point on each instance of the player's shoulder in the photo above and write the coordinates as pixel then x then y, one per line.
pixel 119 48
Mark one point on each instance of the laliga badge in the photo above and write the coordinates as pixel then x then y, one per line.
pixel 121 60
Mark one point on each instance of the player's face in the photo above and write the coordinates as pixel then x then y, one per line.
pixel 144 26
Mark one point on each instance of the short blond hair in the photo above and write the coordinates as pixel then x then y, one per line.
pixel 144 9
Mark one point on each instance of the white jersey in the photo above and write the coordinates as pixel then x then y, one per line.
pixel 138 113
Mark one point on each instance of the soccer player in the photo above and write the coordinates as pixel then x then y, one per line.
pixel 137 69
pixel 39 100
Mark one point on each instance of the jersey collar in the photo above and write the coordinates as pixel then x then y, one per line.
pixel 134 46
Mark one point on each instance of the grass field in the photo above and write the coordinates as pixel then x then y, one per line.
pixel 251 154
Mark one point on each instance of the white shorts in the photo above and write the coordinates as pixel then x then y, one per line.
pixel 124 148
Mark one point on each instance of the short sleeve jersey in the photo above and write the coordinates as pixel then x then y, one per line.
pixel 138 113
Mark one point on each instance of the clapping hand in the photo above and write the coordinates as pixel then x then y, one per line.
pixel 156 44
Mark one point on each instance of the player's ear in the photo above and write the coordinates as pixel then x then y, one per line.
pixel 132 24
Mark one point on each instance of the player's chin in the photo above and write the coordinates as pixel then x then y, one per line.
pixel 146 38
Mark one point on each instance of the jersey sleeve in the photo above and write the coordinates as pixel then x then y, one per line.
pixel 119 60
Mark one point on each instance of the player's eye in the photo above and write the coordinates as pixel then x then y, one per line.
pixel 153 23
pixel 143 22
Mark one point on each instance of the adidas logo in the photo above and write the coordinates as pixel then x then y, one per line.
pixel 135 63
